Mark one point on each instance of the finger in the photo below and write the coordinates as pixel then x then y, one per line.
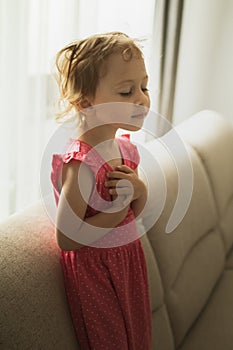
pixel 125 169
pixel 121 191
pixel 117 175
pixel 117 183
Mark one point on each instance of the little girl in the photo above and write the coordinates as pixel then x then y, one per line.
pixel 103 78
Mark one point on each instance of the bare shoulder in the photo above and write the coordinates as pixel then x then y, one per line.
pixel 76 171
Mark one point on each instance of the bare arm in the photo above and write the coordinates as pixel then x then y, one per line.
pixel 71 224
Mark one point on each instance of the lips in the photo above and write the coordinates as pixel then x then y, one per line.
pixel 138 116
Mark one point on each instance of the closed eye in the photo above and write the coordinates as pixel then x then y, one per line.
pixel 126 93
pixel 130 92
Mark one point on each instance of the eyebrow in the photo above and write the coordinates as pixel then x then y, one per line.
pixel 129 81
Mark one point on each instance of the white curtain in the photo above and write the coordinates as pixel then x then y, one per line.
pixel 31 32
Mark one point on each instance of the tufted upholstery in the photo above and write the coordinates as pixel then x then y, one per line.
pixel 190 269
pixel 195 261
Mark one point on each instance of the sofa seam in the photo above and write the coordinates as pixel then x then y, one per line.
pixel 212 230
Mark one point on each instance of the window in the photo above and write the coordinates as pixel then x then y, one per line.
pixel 31 33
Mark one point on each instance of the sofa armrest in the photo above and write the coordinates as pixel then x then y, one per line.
pixel 34 312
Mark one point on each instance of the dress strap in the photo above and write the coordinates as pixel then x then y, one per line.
pixel 129 151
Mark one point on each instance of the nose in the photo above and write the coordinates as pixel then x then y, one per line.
pixel 142 98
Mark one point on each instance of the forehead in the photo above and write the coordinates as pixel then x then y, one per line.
pixel 117 69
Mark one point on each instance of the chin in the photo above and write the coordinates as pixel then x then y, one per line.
pixel 130 127
pixel 133 127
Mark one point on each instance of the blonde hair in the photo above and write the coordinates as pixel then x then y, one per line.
pixel 79 65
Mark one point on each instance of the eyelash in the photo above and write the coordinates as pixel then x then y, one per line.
pixel 130 92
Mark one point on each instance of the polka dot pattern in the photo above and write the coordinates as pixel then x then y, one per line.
pixel 108 296
pixel 107 288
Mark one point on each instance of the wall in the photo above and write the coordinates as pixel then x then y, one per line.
pixel 205 74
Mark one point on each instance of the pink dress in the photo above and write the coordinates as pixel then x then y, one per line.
pixel 106 284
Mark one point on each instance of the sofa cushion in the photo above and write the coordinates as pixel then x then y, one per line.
pixel 211 136
pixel 162 337
pixel 213 329
pixel 191 258
pixel 34 312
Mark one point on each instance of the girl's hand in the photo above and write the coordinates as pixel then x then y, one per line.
pixel 125 182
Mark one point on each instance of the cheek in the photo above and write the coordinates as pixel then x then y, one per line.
pixel 101 95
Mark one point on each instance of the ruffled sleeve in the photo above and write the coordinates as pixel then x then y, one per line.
pixel 72 152
pixel 76 150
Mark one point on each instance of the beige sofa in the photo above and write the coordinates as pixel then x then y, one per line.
pixel 190 269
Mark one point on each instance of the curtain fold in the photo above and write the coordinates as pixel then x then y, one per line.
pixel 30 37
pixel 167 31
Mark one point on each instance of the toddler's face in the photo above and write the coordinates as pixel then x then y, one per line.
pixel 125 82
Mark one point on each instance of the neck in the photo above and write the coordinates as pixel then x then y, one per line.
pixel 98 134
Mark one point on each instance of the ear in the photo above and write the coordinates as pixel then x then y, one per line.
pixel 85 103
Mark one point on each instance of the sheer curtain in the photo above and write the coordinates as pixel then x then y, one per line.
pixel 31 32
